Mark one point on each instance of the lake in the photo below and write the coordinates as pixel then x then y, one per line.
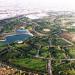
pixel 21 35
pixel 17 37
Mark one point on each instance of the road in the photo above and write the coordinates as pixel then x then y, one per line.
pixel 49 67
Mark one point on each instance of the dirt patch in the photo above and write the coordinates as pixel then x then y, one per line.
pixel 68 36
pixel 46 30
pixel 6 70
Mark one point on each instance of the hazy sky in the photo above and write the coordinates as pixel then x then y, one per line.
pixel 39 4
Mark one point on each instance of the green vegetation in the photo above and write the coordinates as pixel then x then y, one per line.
pixel 10 24
pixel 72 52
pixel 71 29
pixel 33 64
pixel 2 43
pixel 34 53
pixel 63 68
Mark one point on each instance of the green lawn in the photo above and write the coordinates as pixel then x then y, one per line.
pixel 2 44
pixel 33 64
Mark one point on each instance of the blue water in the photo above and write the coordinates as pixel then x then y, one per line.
pixel 13 38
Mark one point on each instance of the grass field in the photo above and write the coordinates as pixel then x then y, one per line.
pixel 33 64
